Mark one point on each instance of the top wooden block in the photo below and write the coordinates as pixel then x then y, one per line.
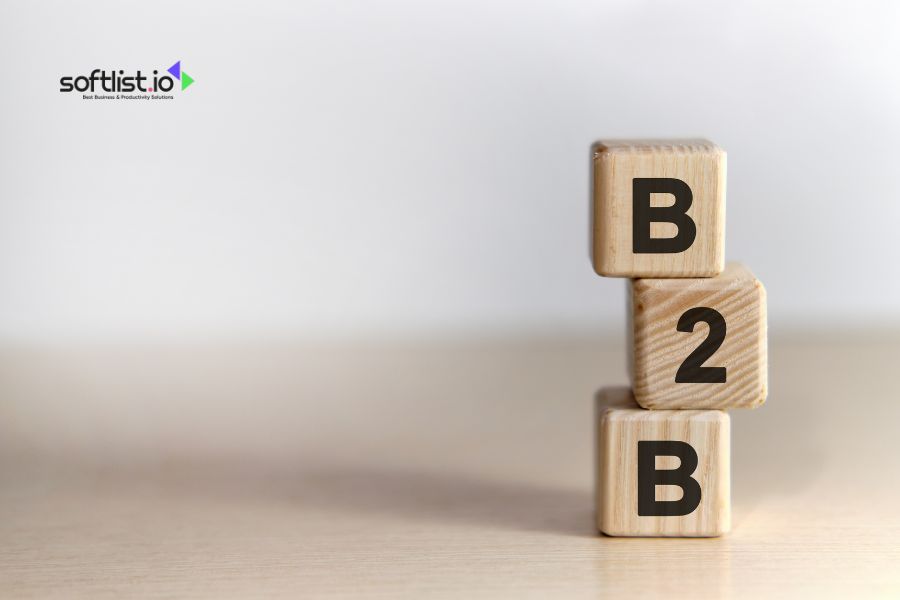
pixel 659 208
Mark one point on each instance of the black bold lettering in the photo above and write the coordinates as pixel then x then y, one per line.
pixel 644 214
pixel 139 81
pixel 692 369
pixel 649 477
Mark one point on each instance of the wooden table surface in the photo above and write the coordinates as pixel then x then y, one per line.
pixel 457 469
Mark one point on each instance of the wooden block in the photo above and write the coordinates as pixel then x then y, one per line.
pixel 661 473
pixel 659 208
pixel 699 343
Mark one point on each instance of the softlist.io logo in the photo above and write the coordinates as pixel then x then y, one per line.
pixel 120 85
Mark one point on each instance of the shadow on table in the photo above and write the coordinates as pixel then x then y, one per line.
pixel 437 498
pixel 447 498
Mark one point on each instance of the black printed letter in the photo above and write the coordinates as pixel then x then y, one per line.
pixel 649 477
pixel 644 214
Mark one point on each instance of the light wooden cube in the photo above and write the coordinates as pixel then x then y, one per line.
pixel 699 343
pixel 634 183
pixel 661 473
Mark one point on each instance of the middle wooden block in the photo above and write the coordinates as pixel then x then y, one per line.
pixel 699 343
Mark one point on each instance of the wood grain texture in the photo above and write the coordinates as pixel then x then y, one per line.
pixel 621 424
pixel 659 348
pixel 457 469
pixel 699 163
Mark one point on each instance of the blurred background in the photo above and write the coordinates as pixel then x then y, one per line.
pixel 344 278
pixel 421 168
pixel 352 181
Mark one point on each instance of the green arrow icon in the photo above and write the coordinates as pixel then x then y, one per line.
pixel 186 80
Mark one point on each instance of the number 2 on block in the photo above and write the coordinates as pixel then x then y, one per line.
pixel 692 369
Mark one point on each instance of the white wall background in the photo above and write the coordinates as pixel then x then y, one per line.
pixel 409 167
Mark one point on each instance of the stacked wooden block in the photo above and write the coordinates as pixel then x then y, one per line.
pixel 697 339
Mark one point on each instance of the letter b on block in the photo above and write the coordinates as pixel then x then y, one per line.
pixel 661 472
pixel 649 477
pixel 659 208
pixel 644 214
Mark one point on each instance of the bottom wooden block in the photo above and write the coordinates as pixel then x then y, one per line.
pixel 661 472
